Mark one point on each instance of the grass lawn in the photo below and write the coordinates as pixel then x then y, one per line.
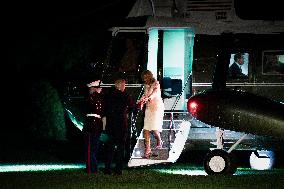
pixel 158 177
pixel 148 177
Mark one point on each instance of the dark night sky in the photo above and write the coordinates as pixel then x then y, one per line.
pixel 256 9
pixel 50 16
pixel 34 25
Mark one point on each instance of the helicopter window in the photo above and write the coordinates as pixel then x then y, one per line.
pixel 127 57
pixel 273 62
pixel 238 67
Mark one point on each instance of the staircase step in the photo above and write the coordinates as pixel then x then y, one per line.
pixel 176 116
pixel 141 144
pixel 158 154
pixel 175 131
pixel 168 125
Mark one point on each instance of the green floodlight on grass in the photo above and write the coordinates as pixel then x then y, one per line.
pixel 37 167
pixel 182 172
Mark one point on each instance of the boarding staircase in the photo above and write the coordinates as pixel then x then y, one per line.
pixel 176 126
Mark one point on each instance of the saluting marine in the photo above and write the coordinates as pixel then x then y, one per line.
pixel 93 125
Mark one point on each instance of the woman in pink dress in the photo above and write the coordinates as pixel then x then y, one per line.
pixel 154 112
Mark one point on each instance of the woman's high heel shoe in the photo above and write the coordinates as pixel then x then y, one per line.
pixel 148 153
pixel 159 145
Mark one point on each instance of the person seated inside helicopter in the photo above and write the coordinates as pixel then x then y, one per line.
pixel 128 63
pixel 235 70
pixel 272 65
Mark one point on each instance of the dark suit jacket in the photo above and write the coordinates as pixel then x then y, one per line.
pixel 235 71
pixel 118 105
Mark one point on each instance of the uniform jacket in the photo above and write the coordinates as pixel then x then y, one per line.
pixel 94 105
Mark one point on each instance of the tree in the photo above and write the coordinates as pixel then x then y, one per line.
pixel 47 113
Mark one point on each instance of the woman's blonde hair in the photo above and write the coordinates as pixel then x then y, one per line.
pixel 148 72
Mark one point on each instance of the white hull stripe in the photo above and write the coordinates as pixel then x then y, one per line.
pixel 241 84
pixel 210 84
pixel 127 85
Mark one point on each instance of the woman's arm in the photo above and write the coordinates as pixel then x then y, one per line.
pixel 156 88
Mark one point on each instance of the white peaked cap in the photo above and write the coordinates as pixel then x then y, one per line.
pixel 94 84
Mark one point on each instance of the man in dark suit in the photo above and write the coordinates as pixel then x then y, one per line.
pixel 235 70
pixel 118 106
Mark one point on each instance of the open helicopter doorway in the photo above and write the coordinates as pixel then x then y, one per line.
pixel 170 56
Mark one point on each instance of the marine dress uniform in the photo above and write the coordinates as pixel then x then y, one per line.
pixel 93 127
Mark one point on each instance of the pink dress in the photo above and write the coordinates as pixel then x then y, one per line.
pixel 154 112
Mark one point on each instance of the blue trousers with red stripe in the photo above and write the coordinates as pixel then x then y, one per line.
pixel 91 145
